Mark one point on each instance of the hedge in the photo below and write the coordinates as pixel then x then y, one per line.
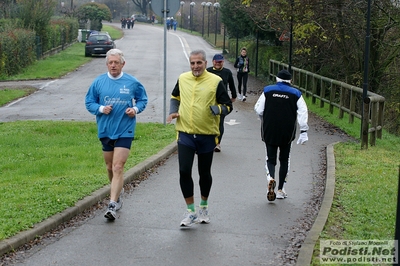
pixel 19 47
pixel 17 50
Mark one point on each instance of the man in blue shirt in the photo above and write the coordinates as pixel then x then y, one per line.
pixel 115 98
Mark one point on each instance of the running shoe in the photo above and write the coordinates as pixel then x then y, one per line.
pixel 281 194
pixel 111 212
pixel 190 218
pixel 204 218
pixel 271 196
pixel 244 98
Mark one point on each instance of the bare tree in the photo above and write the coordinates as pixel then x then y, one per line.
pixel 142 5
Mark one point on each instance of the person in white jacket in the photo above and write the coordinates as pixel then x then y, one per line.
pixel 280 106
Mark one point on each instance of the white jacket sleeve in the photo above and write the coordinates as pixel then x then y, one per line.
pixel 260 104
pixel 302 114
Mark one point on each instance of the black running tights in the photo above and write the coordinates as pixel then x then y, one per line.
pixel 186 158
pixel 221 127
pixel 284 152
pixel 242 79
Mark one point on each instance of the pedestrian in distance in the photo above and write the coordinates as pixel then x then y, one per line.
pixel 197 125
pixel 168 23
pixel 132 22
pixel 227 78
pixel 243 68
pixel 280 106
pixel 115 98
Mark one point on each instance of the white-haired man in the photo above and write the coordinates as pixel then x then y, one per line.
pixel 115 98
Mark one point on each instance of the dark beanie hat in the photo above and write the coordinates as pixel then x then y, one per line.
pixel 284 75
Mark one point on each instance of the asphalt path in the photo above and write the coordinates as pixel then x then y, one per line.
pixel 245 229
pixel 143 47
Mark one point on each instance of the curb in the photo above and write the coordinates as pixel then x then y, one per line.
pixel 12 243
pixel 307 248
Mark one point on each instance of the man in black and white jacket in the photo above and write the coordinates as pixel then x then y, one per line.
pixel 280 107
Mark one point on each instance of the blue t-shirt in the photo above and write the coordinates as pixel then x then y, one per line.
pixel 122 92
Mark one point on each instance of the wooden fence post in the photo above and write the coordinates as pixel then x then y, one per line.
pixel 380 119
pixel 374 123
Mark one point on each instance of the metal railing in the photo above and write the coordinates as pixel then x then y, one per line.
pixel 346 98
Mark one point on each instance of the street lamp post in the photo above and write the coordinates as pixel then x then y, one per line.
pixel 223 46
pixel 209 4
pixel 291 37
pixel 128 9
pixel 203 4
pixel 364 118
pixel 216 6
pixel 192 4
pixel 149 14
pixel 182 3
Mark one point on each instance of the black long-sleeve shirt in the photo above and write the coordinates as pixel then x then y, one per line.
pixel 227 78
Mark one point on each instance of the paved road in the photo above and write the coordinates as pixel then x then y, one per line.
pixel 143 46
pixel 245 229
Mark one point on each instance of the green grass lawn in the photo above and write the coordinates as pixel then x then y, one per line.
pixel 62 63
pixel 8 95
pixel 365 199
pixel 47 166
pixel 55 66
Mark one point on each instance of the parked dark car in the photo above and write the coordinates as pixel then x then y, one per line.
pixel 141 18
pixel 98 43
